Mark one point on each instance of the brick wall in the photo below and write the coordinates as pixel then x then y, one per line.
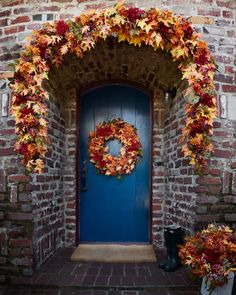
pixel 48 192
pixel 37 213
pixel 16 211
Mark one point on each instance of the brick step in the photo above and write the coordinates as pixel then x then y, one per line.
pixel 98 290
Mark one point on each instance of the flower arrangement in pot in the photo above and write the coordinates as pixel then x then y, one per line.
pixel 211 255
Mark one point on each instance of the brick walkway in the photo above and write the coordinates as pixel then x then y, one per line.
pixel 60 276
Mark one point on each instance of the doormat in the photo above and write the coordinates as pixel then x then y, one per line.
pixel 114 253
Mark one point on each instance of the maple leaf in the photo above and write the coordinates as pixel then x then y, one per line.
pixel 64 49
pixel 142 23
pixel 85 29
pixel 87 43
pixel 197 140
pixel 109 12
pixel 104 31
pixel 136 40
pixel 39 165
pixel 179 51
pixel 118 20
pixel 43 122
pixel 36 59
pixel 158 40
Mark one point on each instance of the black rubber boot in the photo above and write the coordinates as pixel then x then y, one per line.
pixel 176 238
pixel 163 263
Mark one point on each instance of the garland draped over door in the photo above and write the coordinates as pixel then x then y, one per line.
pixel 153 27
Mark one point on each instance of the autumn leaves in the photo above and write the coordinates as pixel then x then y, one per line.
pixel 155 28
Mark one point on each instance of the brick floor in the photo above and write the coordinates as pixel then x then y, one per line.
pixel 60 276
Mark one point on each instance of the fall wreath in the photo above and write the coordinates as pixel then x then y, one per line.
pixel 129 153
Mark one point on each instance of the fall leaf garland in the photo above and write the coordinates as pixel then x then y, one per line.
pixel 156 28
pixel 129 153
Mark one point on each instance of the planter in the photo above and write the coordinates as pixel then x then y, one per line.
pixel 224 290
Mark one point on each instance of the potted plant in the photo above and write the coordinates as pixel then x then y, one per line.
pixel 211 255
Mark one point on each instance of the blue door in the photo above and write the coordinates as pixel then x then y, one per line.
pixel 112 209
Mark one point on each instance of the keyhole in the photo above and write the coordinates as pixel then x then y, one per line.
pixel 114 147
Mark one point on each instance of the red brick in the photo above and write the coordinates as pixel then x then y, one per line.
pixel 209 11
pixel 15 252
pixel 223 78
pixel 2 197
pixel 66 16
pixel 1 215
pixel 225 182
pixel 217 124
pixel 234 183
pixel 16 280
pixel 229 70
pixel 49 8
pixel 2 181
pixel 11 122
pixel 20 216
pixel 207 199
pixel 228 14
pixel 3 260
pixel 231 33
pixel 207 218
pixel 95 6
pixel 230 199
pixel 34 26
pixel 7 131
pixel 12 3
pixel 3 22
pixel 223 3
pixel 8 39
pixel 61 1
pixel 21 10
pixel 214 189
pixel 13 194
pixel 221 133
pixel 229 88
pixel 19 178
pixel 230 217
pixel 233 165
pixel 70 205
pixel 222 153
pixel 223 59
pixel 21 19
pixel 3 242
pixel 7 152
pixel 13 30
pixel 208 180
pixel 20 242
pixel 5 13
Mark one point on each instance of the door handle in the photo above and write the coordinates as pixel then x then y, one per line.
pixel 83 177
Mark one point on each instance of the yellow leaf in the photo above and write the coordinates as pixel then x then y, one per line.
pixel 118 20
pixel 64 49
pixel 142 23
pixel 158 39
pixel 179 51
pixel 39 166
pixel 136 40
pixel 43 122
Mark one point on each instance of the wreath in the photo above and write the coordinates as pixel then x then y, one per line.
pixel 129 154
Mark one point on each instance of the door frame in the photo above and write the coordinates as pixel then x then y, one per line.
pixel 79 93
